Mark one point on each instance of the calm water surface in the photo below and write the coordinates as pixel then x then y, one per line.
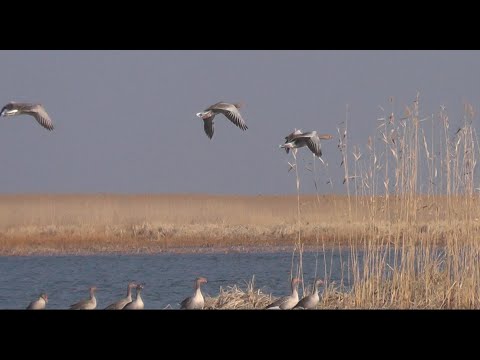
pixel 168 278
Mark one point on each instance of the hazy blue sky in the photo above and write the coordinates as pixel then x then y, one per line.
pixel 125 120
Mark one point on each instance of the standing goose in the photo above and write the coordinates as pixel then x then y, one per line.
pixel 196 301
pixel 35 110
pixel 286 302
pixel 38 304
pixel 297 139
pixel 227 109
pixel 120 304
pixel 88 304
pixel 310 301
pixel 136 304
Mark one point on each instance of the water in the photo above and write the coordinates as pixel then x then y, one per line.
pixel 168 278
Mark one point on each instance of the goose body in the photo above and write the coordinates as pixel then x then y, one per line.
pixel 310 301
pixel 298 139
pixel 120 304
pixel 136 304
pixel 88 304
pixel 35 110
pixel 196 301
pixel 39 304
pixel 286 302
pixel 230 111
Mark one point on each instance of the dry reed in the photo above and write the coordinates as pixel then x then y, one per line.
pixel 411 192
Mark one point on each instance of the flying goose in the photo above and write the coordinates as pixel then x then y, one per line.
pixel 38 304
pixel 227 109
pixel 120 304
pixel 88 304
pixel 196 301
pixel 289 301
pixel 35 110
pixel 298 139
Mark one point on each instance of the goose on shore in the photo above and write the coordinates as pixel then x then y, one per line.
pixel 136 304
pixel 286 302
pixel 311 139
pixel 88 304
pixel 35 110
pixel 38 304
pixel 196 301
pixel 310 301
pixel 120 304
pixel 229 110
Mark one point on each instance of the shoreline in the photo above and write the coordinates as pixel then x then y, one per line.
pixel 235 249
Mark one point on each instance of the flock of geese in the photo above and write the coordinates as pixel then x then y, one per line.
pixel 194 302
pixel 293 141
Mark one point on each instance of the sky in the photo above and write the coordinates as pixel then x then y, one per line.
pixel 125 120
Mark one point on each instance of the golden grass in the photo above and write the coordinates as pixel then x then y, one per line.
pixel 333 297
pixel 153 223
pixel 235 297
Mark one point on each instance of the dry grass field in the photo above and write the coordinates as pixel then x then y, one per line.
pixel 150 223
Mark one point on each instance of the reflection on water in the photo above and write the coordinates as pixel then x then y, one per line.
pixel 168 277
